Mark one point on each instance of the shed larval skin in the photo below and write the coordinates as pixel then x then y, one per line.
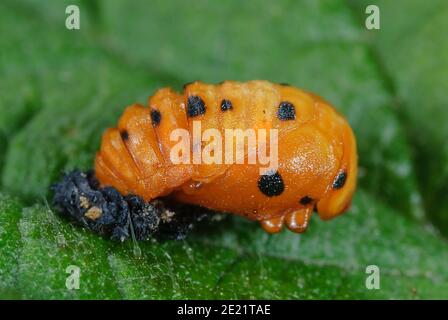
pixel 317 158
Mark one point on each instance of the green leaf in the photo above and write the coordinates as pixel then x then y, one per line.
pixel 61 89
pixel 10 243
pixel 234 260
pixel 414 51
pixel 49 246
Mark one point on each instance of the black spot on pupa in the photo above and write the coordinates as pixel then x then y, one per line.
pixel 156 116
pixel 284 84
pixel 271 184
pixel 124 135
pixel 340 180
pixel 226 105
pixel 306 200
pixel 286 111
pixel 195 106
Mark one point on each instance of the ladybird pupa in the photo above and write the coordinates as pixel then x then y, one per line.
pixel 317 158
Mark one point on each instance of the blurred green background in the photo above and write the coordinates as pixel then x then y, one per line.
pixel 59 89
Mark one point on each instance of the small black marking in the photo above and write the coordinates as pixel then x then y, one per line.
pixel 271 184
pixel 286 111
pixel 315 208
pixel 124 135
pixel 226 105
pixel 284 84
pixel 340 180
pixel 306 200
pixel 156 116
pixel 195 106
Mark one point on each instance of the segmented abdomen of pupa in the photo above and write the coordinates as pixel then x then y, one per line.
pixel 135 156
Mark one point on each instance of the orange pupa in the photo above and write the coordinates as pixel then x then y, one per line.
pixel 317 158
